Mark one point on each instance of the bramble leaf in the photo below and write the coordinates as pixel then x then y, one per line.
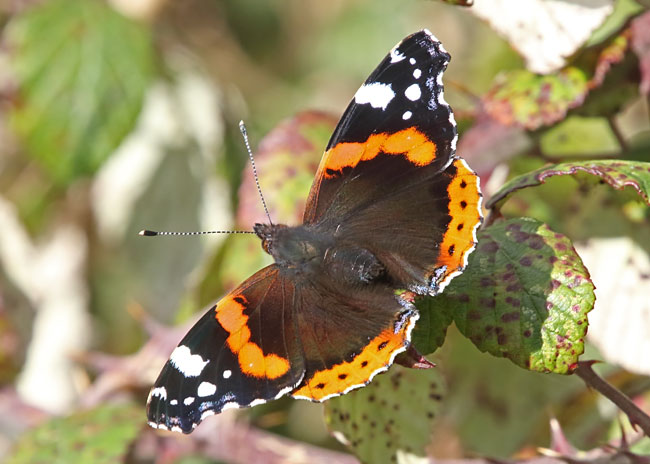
pixel 393 414
pixel 617 173
pixel 524 296
pixel 83 70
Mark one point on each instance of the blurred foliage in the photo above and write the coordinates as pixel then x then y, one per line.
pixel 101 435
pixel 119 115
pixel 73 61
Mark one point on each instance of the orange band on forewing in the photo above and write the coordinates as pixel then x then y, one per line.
pixel 374 356
pixel 464 209
pixel 410 142
pixel 251 358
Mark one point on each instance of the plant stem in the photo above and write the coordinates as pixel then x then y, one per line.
pixel 622 143
pixel 625 404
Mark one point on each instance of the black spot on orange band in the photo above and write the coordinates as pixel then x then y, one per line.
pixel 464 210
pixel 358 371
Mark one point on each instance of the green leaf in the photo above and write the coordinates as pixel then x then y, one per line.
pixel 579 137
pixel 618 174
pixel 431 329
pixel 526 99
pixel 100 435
pixel 524 296
pixel 394 413
pixel 532 100
pixel 82 71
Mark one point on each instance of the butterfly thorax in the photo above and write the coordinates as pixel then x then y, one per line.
pixel 304 249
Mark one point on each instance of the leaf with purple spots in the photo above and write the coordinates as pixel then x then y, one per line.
pixel 393 415
pixel 617 173
pixel 524 296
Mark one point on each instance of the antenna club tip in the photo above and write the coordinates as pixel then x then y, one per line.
pixel 147 233
pixel 242 127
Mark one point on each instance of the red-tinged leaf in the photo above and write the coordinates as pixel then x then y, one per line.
pixel 489 143
pixel 287 159
pixel 640 28
pixel 618 174
pixel 524 296
pixel 529 100
pixel 525 99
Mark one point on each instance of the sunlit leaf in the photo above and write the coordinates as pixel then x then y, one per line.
pixel 394 413
pixel 544 32
pixel 100 435
pixel 621 271
pixel 617 173
pixel 82 70
pixel 524 296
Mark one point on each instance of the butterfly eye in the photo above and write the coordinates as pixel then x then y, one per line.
pixel 265 244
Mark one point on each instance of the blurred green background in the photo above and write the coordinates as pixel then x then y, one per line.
pixel 122 115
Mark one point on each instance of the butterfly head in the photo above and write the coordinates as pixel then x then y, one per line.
pixel 268 233
pixel 290 246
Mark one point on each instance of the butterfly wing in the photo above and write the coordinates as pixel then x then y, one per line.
pixel 348 335
pixel 244 351
pixel 389 180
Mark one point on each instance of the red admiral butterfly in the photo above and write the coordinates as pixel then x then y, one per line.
pixel 391 208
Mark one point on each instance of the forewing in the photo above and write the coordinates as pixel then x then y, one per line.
pixel 398 124
pixel 242 352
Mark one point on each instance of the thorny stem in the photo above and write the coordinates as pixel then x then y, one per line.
pixel 625 404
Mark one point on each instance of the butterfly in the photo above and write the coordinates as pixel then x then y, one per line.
pixel 391 208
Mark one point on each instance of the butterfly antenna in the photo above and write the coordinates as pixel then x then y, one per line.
pixel 244 133
pixel 153 233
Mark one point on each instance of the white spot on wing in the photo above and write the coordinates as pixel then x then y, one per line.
pixel 395 55
pixel 159 391
pixel 188 364
pixel 412 60
pixel 417 73
pixel 189 400
pixel 377 94
pixel 256 402
pixel 173 402
pixel 227 373
pixel 407 115
pixel 206 389
pixel 413 92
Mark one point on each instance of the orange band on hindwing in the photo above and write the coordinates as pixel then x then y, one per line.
pixel 375 357
pixel 251 358
pixel 465 212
